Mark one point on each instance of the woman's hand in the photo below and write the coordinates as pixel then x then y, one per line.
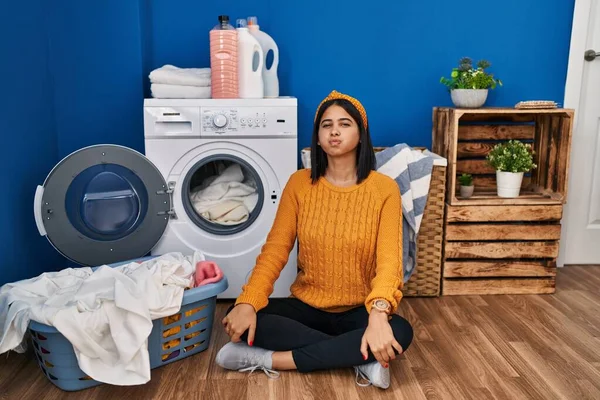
pixel 240 319
pixel 379 337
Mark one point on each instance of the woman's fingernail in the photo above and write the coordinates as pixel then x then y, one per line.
pixel 365 357
pixel 386 365
pixel 250 344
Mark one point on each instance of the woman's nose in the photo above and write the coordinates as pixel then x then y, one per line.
pixel 335 131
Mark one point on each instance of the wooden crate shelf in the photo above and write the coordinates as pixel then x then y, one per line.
pixel 499 231
pixel 504 213
pixel 497 269
pixel 466 136
pixel 499 286
pixel 496 245
pixel 500 249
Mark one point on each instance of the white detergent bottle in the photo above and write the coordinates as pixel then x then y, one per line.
pixel 250 64
pixel 268 44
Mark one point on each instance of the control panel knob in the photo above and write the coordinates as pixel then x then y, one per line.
pixel 219 120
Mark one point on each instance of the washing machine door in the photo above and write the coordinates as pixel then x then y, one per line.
pixel 103 204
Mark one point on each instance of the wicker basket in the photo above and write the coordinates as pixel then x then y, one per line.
pixel 425 281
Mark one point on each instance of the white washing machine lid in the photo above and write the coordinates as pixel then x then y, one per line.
pixel 103 204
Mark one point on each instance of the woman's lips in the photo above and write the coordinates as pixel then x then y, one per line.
pixel 335 142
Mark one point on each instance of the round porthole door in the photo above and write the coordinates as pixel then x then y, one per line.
pixel 103 204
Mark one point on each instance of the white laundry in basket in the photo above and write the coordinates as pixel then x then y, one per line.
pixel 105 313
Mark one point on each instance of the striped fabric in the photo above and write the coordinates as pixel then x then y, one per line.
pixel 411 169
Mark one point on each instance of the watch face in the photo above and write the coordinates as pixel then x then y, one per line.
pixel 381 304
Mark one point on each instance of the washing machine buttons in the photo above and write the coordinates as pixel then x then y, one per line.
pixel 254 122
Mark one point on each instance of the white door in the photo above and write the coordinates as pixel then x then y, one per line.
pixel 581 218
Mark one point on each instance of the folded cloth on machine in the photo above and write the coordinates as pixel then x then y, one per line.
pixel 411 169
pixel 225 199
pixel 172 75
pixel 106 313
pixel 163 91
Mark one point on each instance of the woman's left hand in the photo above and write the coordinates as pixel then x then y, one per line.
pixel 379 337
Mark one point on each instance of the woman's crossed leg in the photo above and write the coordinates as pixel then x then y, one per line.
pixel 293 335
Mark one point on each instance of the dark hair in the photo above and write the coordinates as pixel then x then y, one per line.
pixel 365 155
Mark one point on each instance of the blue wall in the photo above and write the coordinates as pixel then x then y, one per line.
pixel 389 54
pixel 78 73
pixel 29 137
pixel 96 61
pixel 74 74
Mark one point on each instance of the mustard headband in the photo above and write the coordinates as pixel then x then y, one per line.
pixel 337 95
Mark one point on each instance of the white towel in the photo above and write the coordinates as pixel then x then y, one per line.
pixel 162 91
pixel 411 169
pixel 171 75
pixel 105 313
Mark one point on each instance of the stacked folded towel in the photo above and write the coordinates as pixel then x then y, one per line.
pixel 170 82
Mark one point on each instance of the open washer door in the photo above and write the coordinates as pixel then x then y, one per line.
pixel 103 204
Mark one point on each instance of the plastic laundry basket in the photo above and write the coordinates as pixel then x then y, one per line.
pixel 172 338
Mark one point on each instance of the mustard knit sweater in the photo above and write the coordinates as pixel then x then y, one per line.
pixel 349 244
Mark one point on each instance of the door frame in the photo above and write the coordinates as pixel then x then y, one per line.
pixel 573 85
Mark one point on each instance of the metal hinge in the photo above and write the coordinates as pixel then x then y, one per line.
pixel 171 213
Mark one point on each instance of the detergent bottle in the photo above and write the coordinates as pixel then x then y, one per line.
pixel 271 82
pixel 250 64
pixel 224 60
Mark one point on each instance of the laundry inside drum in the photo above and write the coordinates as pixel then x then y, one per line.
pixel 224 192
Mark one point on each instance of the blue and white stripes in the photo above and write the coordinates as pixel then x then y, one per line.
pixel 411 169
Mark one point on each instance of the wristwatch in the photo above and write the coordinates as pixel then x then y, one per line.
pixel 382 305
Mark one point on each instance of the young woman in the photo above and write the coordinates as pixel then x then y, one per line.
pixel 347 219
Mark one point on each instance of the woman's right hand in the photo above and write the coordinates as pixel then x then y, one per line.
pixel 240 319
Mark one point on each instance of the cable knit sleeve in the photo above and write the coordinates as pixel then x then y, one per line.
pixel 276 250
pixel 388 279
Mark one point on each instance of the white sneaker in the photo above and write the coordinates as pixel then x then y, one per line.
pixel 243 358
pixel 374 374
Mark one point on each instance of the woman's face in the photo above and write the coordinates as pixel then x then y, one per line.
pixel 338 132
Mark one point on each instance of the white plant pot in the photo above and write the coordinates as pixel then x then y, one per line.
pixel 509 183
pixel 466 191
pixel 469 98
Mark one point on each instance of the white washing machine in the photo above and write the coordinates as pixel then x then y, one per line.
pixel 108 203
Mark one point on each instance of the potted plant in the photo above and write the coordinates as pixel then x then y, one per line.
pixel 510 160
pixel 468 85
pixel 466 185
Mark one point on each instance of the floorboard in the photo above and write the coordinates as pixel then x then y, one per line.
pixel 465 347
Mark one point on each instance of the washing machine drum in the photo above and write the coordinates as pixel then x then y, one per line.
pixel 103 204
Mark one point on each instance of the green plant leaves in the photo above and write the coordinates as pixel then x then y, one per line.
pixel 511 156
pixel 467 77
pixel 466 179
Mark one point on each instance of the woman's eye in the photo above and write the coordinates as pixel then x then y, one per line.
pixel 346 125
pixel 326 125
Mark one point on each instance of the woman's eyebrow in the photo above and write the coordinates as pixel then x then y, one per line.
pixel 339 119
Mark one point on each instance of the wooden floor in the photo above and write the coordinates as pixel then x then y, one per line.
pixel 465 347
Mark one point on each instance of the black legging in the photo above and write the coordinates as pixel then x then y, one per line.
pixel 318 339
